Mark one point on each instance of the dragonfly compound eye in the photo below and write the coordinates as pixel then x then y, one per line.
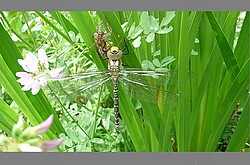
pixel 114 48
pixel 114 53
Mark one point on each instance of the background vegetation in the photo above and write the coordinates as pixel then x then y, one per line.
pixel 211 52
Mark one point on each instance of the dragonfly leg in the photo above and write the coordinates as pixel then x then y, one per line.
pixel 125 50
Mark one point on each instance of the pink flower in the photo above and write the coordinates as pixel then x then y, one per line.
pixel 51 144
pixel 44 126
pixel 30 63
pixel 37 72
pixel 55 73
pixel 43 58
pixel 31 82
pixel 27 139
pixel 44 146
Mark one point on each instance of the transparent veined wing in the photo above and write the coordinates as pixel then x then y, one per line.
pixel 74 85
pixel 149 85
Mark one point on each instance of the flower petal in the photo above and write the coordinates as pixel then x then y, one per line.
pixel 23 64
pixel 35 87
pixel 27 84
pixel 25 78
pixel 30 63
pixel 44 126
pixel 42 80
pixel 23 74
pixel 55 73
pixel 49 145
pixel 24 147
pixel 43 58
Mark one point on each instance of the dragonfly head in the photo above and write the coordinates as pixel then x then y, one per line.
pixel 114 53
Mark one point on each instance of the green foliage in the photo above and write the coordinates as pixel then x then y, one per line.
pixel 208 51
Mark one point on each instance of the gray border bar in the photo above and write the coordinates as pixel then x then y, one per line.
pixel 125 158
pixel 219 5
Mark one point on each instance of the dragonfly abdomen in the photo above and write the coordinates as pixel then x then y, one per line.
pixel 116 103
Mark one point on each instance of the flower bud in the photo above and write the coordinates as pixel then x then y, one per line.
pixel 51 144
pixel 18 127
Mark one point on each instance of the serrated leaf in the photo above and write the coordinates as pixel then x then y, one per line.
pixel 150 37
pixel 165 30
pixel 166 20
pixel 157 63
pixel 137 42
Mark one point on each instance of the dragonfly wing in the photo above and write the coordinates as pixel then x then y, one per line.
pixel 73 85
pixel 150 86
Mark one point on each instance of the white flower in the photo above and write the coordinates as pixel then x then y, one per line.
pixel 37 71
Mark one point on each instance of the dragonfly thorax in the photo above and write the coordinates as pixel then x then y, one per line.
pixel 114 68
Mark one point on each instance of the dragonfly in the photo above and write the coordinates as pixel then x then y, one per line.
pixel 143 85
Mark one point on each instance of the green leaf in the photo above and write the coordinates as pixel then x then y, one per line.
pixel 137 42
pixel 97 140
pixel 144 22
pixel 147 65
pixel 8 117
pixel 167 60
pixel 154 24
pixel 241 133
pixel 165 30
pixel 166 20
pixel 131 31
pixel 226 52
pixel 157 63
pixel 150 37
pixel 237 89
pixel 138 31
